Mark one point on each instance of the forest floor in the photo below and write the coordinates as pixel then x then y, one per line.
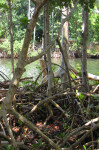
pixel 73 125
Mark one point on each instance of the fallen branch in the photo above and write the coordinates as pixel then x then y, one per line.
pixel 79 129
pixel 9 129
pixel 57 96
pixel 93 77
pixel 84 136
pixel 4 75
pixel 33 127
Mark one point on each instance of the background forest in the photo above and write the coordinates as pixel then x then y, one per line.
pixel 59 109
pixel 21 13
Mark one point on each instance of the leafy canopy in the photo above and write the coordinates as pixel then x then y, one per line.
pixel 61 3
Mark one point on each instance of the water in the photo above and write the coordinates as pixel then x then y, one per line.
pixel 33 69
pixel 92 65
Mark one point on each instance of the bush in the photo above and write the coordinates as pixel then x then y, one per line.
pixel 17 46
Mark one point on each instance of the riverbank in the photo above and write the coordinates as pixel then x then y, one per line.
pixel 72 54
pixel 92 52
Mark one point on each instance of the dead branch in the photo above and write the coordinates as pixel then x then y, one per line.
pixel 84 136
pixel 33 127
pixel 75 131
pixel 4 75
pixel 96 89
pixel 5 137
pixel 9 129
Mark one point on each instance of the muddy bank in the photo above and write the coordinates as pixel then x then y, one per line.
pixel 56 53
pixel 79 55
pixel 53 55
pixel 6 55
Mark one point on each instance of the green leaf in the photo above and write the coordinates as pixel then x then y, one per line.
pixel 20 122
pixel 95 97
pixel 84 147
pixel 4 6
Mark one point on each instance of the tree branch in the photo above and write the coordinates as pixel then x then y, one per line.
pixel 34 128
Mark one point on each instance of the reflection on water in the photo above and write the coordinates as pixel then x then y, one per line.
pixel 33 69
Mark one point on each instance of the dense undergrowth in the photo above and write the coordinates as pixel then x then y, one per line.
pixel 74 124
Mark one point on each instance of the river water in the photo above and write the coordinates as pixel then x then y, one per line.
pixel 34 68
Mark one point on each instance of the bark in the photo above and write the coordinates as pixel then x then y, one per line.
pixel 29 7
pixel 46 42
pixel 84 51
pixel 49 67
pixel 34 38
pixel 43 67
pixel 21 62
pixel 57 73
pixel 65 47
pixel 9 129
pixel 66 65
pixel 11 36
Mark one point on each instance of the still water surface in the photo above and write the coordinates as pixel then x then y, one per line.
pixel 33 69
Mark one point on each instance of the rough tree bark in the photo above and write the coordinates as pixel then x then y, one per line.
pixel 64 75
pixel 84 51
pixel 11 35
pixel 46 42
pixel 22 58
pixel 49 66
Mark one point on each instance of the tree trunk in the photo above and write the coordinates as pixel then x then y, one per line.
pixel 46 42
pixel 22 58
pixel 34 37
pixel 84 51
pixel 65 47
pixel 11 36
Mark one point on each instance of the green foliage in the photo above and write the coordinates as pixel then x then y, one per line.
pixel 88 4
pixel 17 46
pixel 78 66
pixel 73 75
pixel 60 3
pixel 4 5
pixel 61 135
pixel 20 122
pixel 95 97
pixel 80 97
pixel 84 147
pixel 74 46
pixel 54 68
pixel 24 22
pixel 29 85
pixel 94 25
pixel 8 147
pixel 92 52
pixel 37 145
pixel 6 45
